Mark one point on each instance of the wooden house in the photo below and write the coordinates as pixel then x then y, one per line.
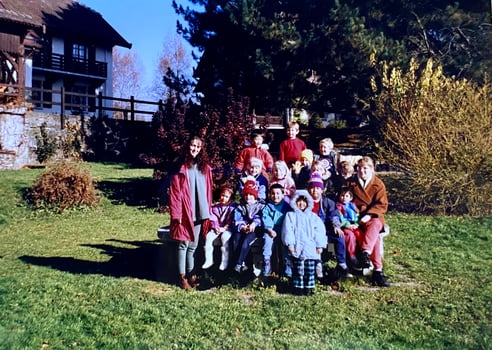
pixel 55 45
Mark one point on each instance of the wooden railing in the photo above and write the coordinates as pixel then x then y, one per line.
pixel 60 63
pixel 80 103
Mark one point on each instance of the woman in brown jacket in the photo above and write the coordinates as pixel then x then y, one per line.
pixel 371 199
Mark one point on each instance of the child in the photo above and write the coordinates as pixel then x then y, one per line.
pixel 327 155
pixel 326 209
pixel 255 149
pixel 301 170
pixel 221 227
pixel 291 148
pixel 273 216
pixel 329 186
pixel 254 173
pixel 247 221
pixel 349 216
pixel 281 175
pixel 303 233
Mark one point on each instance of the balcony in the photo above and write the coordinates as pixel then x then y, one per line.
pixel 59 63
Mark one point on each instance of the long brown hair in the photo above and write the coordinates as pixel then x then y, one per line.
pixel 201 159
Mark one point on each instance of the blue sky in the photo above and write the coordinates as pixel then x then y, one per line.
pixel 146 24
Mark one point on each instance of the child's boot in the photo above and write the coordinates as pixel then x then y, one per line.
pixel 225 258
pixel 209 256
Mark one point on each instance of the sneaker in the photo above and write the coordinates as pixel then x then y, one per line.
pixel 319 270
pixel 379 279
pixel 267 269
pixel 365 261
pixel 237 268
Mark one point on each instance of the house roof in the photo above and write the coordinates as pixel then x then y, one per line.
pixel 61 17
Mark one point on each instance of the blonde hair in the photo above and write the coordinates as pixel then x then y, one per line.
pixel 255 161
pixel 281 164
pixel 327 141
pixel 366 161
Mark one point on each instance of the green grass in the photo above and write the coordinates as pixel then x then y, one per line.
pixel 91 279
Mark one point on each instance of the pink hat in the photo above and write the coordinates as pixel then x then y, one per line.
pixel 316 181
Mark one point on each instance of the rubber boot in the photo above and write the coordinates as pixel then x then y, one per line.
pixel 225 258
pixel 184 282
pixel 209 257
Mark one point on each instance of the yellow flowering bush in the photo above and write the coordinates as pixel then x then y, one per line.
pixel 437 129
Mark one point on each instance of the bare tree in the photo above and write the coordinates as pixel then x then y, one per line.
pixel 175 59
pixel 127 77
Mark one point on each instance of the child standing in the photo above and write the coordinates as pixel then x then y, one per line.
pixel 221 220
pixel 281 175
pixel 254 173
pixel 273 217
pixel 327 155
pixel 255 149
pixel 303 233
pixel 291 148
pixel 248 225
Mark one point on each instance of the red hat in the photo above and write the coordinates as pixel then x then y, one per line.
pixel 316 180
pixel 250 188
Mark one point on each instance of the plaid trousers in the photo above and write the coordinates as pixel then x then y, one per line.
pixel 303 275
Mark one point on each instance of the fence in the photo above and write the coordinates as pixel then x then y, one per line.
pixel 76 102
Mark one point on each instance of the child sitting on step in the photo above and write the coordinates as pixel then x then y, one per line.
pixel 221 222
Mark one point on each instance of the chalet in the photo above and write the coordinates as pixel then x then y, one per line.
pixel 55 45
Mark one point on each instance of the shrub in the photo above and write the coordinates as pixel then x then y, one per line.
pixel 438 130
pixel 64 186
pixel 46 144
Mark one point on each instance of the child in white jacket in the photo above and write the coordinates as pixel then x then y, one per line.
pixel 303 232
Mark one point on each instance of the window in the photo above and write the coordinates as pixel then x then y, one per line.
pixel 41 95
pixel 79 52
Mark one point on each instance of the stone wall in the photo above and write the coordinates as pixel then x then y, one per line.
pixel 104 139
pixel 18 129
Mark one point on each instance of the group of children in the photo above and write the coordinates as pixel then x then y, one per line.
pixel 292 208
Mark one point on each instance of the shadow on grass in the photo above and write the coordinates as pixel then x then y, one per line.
pixel 148 260
pixel 140 192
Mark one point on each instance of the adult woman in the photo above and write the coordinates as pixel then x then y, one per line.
pixel 190 197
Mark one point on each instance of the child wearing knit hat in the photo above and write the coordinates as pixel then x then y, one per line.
pixel 248 224
pixel 301 170
pixel 326 209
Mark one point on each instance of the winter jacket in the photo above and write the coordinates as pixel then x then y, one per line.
pixel 303 230
pixel 180 203
pixel 274 218
pixel 348 214
pixel 329 214
pixel 242 162
pixel 246 214
pixel 372 200
pixel 223 215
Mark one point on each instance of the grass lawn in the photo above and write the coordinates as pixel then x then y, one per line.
pixel 92 279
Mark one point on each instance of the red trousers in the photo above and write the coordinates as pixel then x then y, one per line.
pixel 366 236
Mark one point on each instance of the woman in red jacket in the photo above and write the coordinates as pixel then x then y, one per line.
pixel 190 197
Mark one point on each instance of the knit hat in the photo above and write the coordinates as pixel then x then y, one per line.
pixel 308 154
pixel 250 188
pixel 315 180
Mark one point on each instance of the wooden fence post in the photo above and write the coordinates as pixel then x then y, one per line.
pixel 100 104
pixel 62 108
pixel 132 108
